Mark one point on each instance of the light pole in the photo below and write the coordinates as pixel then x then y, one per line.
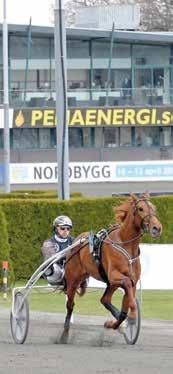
pixel 6 104
pixel 62 146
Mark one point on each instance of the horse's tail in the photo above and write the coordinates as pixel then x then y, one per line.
pixel 82 288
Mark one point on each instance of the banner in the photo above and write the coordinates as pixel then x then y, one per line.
pixel 95 117
pixel 91 172
pixel 79 172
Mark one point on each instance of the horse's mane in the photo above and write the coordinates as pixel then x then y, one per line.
pixel 122 210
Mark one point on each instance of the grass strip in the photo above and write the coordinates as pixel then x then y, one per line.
pixel 156 304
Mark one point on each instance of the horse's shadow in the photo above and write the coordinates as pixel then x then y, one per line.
pixel 96 336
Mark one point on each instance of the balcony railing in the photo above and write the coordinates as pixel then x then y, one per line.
pixel 84 97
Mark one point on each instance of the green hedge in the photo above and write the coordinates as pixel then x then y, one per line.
pixel 5 248
pixel 26 194
pixel 30 223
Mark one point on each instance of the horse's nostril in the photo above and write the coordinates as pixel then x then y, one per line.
pixel 156 230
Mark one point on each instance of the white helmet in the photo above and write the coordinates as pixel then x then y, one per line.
pixel 62 221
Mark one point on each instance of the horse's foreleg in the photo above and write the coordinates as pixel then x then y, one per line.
pixel 132 312
pixel 69 306
pixel 127 302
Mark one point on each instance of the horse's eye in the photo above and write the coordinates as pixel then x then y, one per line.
pixel 141 209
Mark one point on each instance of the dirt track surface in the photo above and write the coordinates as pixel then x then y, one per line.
pixel 89 349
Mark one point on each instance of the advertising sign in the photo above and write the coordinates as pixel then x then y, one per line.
pixel 95 117
pixel 144 171
pixel 79 172
pixel 91 172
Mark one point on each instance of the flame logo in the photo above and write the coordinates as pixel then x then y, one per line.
pixel 19 121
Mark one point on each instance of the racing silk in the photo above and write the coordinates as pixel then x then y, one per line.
pixel 61 244
pixel 54 245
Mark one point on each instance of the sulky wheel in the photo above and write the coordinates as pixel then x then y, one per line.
pixel 20 319
pixel 132 327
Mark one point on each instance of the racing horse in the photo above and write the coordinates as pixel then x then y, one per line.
pixel 119 259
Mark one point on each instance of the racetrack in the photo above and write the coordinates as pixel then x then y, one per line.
pixel 90 348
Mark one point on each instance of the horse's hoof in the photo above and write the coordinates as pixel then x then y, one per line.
pixel 131 321
pixel 66 329
pixel 109 324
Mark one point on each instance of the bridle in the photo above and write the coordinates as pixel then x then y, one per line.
pixel 144 224
pixel 144 228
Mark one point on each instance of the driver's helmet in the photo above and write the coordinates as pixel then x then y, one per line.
pixel 62 221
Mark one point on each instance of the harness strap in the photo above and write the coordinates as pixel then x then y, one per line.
pixel 103 273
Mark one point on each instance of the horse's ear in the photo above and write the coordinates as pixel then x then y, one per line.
pixel 145 195
pixel 133 197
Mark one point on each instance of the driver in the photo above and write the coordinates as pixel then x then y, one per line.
pixel 60 240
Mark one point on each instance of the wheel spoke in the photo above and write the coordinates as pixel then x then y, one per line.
pixel 20 319
pixel 131 332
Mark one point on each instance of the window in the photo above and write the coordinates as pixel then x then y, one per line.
pixel 166 136
pixel 77 49
pixel 24 138
pixel 147 137
pixel 111 137
pixel 151 54
pixel 44 138
pixel 75 137
pixel 39 47
pixel 88 137
pixel 1 139
pixel 125 137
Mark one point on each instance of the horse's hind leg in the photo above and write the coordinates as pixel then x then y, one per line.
pixel 69 305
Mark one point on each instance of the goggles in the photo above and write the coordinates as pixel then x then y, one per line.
pixel 63 228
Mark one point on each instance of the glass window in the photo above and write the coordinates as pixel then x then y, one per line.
pixel 111 137
pixel 102 49
pixel 44 138
pixel 77 49
pixel 78 78
pixel 24 138
pixel 1 50
pixel 39 47
pixel 1 138
pixel 53 138
pixel 147 136
pixel 125 137
pixel 98 139
pixel 75 137
pixel 88 137
pixel 166 136
pixel 18 47
pixel 151 54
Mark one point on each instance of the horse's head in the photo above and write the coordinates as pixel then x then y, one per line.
pixel 145 214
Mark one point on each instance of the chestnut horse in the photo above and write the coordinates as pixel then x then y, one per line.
pixel 119 259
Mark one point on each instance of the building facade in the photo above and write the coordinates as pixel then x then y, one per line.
pixel 120 95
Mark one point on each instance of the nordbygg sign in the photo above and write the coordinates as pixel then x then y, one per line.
pixel 79 172
pixel 91 172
